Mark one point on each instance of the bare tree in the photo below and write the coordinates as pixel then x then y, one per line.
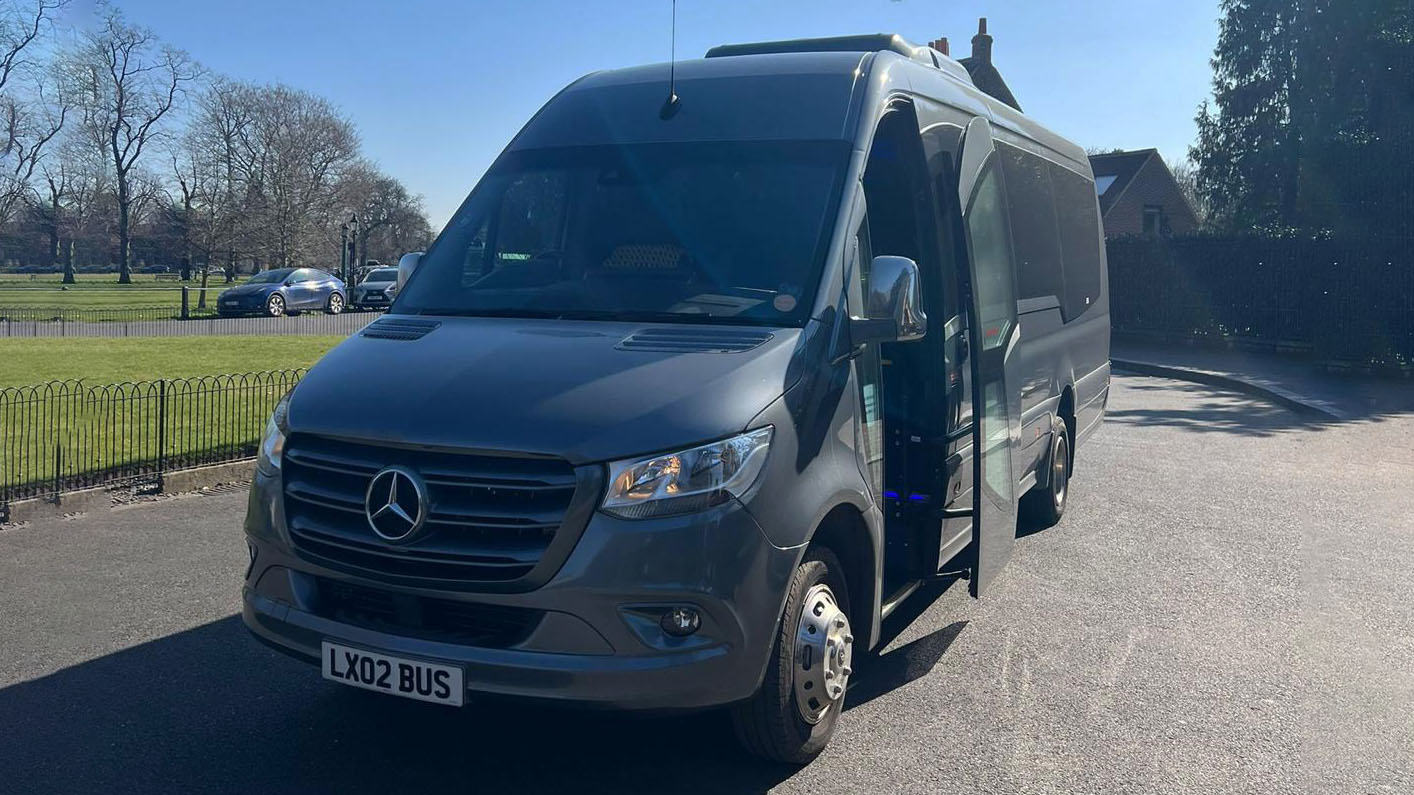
pixel 392 221
pixel 1186 174
pixel 31 113
pixel 219 170
pixel 129 83
pixel 293 152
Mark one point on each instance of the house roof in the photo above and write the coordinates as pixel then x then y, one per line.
pixel 1114 172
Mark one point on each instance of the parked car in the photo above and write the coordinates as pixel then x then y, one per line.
pixel 276 292
pixel 377 289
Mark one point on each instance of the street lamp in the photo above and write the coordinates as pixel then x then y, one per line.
pixel 353 244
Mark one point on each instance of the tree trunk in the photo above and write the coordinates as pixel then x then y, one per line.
pixel 201 296
pixel 69 262
pixel 230 266
pixel 186 239
pixel 125 272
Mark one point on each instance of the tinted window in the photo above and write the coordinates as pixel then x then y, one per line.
pixel 991 253
pixel 690 232
pixel 270 277
pixel 1035 239
pixel 1078 216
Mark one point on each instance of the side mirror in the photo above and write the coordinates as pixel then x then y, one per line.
pixel 406 266
pixel 893 304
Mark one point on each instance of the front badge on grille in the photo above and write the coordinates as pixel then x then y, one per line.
pixel 396 504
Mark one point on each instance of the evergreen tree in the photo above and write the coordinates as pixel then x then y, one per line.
pixel 1312 120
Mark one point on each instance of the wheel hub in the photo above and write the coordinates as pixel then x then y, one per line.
pixel 823 649
pixel 1060 470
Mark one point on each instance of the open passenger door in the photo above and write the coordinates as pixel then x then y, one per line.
pixel 992 337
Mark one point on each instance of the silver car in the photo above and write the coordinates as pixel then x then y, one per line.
pixel 377 289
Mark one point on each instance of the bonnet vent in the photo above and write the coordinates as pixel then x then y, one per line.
pixel 694 340
pixel 399 328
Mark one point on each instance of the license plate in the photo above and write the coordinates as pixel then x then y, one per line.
pixel 399 676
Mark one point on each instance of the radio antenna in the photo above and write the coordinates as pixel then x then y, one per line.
pixel 670 107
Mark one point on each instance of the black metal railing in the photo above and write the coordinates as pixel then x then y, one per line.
pixel 67 435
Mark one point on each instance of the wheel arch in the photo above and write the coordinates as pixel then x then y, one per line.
pixel 845 530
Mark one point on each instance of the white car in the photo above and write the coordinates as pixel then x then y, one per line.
pixel 377 290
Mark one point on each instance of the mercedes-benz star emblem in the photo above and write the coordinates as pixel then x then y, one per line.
pixel 396 504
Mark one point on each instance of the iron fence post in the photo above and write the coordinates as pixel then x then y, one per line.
pixel 161 431
pixel 58 468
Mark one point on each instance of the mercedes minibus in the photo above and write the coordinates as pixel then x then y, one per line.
pixel 695 389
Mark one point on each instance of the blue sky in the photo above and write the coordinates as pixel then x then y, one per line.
pixel 437 88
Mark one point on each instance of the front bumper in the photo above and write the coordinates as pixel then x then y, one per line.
pixel 598 643
pixel 241 306
pixel 371 300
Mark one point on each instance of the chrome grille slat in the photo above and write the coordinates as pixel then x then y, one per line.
pixel 490 518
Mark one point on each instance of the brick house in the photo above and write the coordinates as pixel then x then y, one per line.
pixel 1139 195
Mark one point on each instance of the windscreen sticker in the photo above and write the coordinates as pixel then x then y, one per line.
pixel 784 303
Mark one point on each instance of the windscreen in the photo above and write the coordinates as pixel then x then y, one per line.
pixel 384 275
pixel 674 232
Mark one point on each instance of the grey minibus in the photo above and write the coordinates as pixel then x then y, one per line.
pixel 693 392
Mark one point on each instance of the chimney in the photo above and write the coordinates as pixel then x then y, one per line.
pixel 982 44
pixel 941 45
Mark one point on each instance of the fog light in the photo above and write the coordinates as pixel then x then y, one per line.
pixel 680 622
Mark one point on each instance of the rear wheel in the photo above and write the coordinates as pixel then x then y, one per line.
pixel 792 717
pixel 335 305
pixel 275 306
pixel 1046 504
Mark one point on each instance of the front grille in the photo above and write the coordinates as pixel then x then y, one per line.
pixel 491 520
pixel 443 620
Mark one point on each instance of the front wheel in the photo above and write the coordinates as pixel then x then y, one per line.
pixel 336 304
pixel 275 307
pixel 792 717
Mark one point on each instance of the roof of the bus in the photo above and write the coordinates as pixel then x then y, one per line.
pixel 948 87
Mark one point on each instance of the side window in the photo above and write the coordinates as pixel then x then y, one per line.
pixel 991 253
pixel 1033 224
pixel 300 276
pixel 1078 216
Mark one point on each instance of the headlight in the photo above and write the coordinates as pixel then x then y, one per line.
pixel 689 481
pixel 272 443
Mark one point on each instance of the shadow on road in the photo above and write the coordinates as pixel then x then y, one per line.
pixel 1209 409
pixel 210 709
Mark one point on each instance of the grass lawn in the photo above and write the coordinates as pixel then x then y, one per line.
pixel 101 434
pixel 110 361
pixel 84 280
pixel 99 291
pixel 51 297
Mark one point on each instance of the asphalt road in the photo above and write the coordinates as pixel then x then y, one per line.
pixel 1225 608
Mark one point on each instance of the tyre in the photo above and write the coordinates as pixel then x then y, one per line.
pixel 335 305
pixel 792 717
pixel 275 305
pixel 1045 505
